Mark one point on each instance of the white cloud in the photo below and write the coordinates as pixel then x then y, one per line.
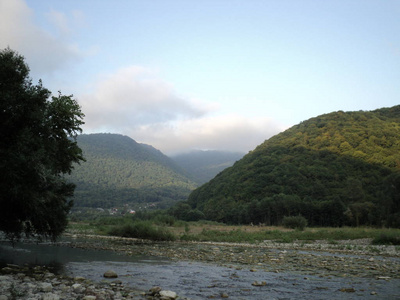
pixel 133 97
pixel 224 132
pixel 135 102
pixel 44 52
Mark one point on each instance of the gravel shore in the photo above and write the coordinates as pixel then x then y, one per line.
pixel 344 259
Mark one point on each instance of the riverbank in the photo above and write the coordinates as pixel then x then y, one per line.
pixel 353 267
pixel 345 258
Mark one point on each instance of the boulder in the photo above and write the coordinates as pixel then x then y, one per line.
pixel 168 295
pixel 110 274
pixel 46 287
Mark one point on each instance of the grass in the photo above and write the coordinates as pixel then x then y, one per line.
pixel 217 232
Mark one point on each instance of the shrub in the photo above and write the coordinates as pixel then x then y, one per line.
pixel 386 239
pixel 295 222
pixel 164 220
pixel 142 230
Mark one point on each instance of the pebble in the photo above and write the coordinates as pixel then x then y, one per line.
pixel 36 285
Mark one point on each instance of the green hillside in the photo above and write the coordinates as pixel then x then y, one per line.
pixel 120 171
pixel 341 168
pixel 202 166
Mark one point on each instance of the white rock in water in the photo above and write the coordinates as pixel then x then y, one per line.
pixel 168 294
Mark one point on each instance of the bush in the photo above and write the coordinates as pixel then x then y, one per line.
pixel 386 239
pixel 295 222
pixel 142 230
pixel 164 220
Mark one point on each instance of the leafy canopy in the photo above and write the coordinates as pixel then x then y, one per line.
pixel 337 169
pixel 38 146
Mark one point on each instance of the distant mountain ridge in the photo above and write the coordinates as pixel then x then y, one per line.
pixel 202 166
pixel 119 171
pixel 336 169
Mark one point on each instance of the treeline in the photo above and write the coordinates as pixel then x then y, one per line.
pixel 336 169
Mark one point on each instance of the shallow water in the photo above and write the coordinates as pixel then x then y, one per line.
pixel 193 279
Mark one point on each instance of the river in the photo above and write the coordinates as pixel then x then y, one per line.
pixel 195 280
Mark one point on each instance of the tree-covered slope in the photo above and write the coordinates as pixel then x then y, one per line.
pixel 120 171
pixel 202 166
pixel 335 169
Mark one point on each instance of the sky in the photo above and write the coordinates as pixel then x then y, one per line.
pixel 210 75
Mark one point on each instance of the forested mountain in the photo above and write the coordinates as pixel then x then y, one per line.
pixel 202 166
pixel 120 171
pixel 341 168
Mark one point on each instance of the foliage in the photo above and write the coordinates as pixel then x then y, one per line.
pixel 38 146
pixel 120 171
pixel 387 239
pixel 183 211
pixel 142 230
pixel 294 222
pixel 336 169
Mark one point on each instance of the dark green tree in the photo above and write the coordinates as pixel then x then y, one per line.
pixel 38 146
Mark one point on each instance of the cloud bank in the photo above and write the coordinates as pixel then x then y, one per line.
pixel 135 102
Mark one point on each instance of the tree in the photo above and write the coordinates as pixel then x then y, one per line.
pixel 38 147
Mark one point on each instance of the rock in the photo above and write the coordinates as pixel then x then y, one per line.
pixel 110 274
pixel 259 283
pixel 224 295
pixel 79 278
pixel 168 295
pixel 3 297
pixel 46 287
pixel 50 296
pixel 383 278
pixel 78 288
pixel 154 290
pixel 348 290
pixel 89 298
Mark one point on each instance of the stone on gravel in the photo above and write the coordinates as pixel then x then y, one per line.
pixel 50 296
pixel 46 287
pixel 78 288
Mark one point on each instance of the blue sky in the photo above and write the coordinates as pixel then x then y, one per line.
pixel 220 74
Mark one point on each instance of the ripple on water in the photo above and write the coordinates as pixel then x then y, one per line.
pixel 199 281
